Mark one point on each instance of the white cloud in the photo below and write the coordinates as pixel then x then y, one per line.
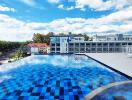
pixel 17 30
pixel 4 8
pixel 54 1
pixel 28 2
pixel 70 8
pixel 61 6
pixel 100 5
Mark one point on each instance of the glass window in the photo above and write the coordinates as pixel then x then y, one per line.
pixel 82 49
pixel 87 44
pixel 105 44
pixel 105 49
pixel 71 49
pixel 117 44
pixel 99 49
pixel 111 44
pixel 70 44
pixel 93 49
pixel 93 44
pixel 124 43
pixel 53 44
pixel 76 49
pixel 53 49
pixel 87 50
pixel 58 49
pixel 129 43
pixel 58 44
pixel 99 44
pixel 77 44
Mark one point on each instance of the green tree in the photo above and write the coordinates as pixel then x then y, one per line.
pixel 41 38
pixel 86 37
pixel 38 38
pixel 6 46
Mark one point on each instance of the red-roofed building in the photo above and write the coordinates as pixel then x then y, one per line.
pixel 39 48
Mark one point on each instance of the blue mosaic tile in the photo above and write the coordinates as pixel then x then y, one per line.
pixel 54 82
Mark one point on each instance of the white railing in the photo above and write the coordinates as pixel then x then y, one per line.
pixel 129 49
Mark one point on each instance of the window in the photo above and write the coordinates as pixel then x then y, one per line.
pixel 99 49
pixel 82 44
pixel 57 49
pixel 111 49
pixel 105 44
pixel 71 49
pixel 129 43
pixel 111 44
pixel 93 44
pixel 76 44
pixel 87 44
pixel 82 49
pixel 53 49
pixel 58 44
pixel 76 50
pixel 124 43
pixel 87 50
pixel 117 44
pixel 71 44
pixel 53 44
pixel 93 49
pixel 105 49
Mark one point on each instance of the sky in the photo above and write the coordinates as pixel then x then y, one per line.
pixel 20 19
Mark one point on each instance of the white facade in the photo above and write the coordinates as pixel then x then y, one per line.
pixel 48 50
pixel 100 44
pixel 64 44
pixel 34 50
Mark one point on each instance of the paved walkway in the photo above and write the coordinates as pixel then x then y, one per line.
pixel 119 61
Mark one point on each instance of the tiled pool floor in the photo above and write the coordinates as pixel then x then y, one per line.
pixel 50 81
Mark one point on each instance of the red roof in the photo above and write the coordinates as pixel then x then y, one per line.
pixel 37 45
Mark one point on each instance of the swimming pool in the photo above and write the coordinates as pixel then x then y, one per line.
pixel 54 77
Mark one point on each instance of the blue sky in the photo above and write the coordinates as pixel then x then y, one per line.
pixel 20 19
pixel 44 11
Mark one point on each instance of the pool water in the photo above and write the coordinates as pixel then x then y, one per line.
pixel 52 77
pixel 118 92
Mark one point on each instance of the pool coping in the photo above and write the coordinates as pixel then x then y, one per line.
pixel 129 77
pixel 100 89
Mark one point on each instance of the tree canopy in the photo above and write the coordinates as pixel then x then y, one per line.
pixel 42 38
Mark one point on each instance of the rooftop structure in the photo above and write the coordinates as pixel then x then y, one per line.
pixel 113 37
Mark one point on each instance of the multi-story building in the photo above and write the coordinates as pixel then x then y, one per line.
pixel 100 44
pixel 60 44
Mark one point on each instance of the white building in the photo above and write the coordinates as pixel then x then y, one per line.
pixel 101 44
pixel 39 48
pixel 113 37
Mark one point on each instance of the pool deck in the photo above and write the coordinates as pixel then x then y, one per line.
pixel 118 61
